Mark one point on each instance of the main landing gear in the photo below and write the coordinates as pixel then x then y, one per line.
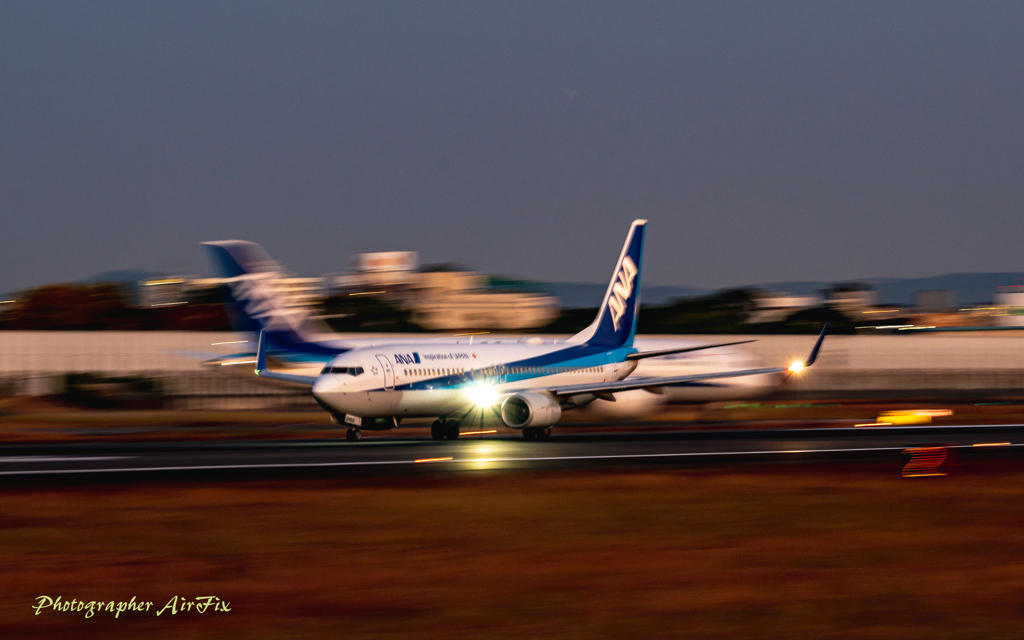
pixel 535 433
pixel 442 429
pixel 353 435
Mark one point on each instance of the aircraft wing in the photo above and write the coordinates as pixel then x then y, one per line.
pixel 665 352
pixel 628 384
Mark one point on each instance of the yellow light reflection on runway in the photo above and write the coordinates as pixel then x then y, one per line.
pixel 486 455
pixel 433 459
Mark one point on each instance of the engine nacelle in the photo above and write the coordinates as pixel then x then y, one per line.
pixel 530 409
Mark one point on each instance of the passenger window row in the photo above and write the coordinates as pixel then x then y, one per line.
pixel 433 372
pixel 510 370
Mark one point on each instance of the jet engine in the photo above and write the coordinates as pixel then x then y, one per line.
pixel 530 410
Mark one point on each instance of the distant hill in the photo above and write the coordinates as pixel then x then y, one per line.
pixel 123 276
pixel 971 288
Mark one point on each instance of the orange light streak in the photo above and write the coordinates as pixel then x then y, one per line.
pixel 433 459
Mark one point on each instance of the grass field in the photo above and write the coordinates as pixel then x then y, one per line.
pixel 774 552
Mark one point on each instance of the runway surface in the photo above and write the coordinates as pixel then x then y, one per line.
pixel 382 456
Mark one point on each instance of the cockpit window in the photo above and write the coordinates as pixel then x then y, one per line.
pixel 352 371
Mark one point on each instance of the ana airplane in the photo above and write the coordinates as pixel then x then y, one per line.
pixel 527 385
pixel 256 301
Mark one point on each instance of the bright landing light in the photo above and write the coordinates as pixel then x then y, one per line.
pixel 796 367
pixel 483 395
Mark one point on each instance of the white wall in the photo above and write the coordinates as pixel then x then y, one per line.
pixel 952 360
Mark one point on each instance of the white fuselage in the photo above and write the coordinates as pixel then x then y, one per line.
pixel 431 379
pixel 448 377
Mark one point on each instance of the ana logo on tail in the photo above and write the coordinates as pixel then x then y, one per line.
pixel 622 290
pixel 261 300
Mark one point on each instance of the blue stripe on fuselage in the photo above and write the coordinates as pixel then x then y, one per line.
pixel 576 356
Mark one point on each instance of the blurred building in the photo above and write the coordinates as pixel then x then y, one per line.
pixel 161 292
pixel 444 297
pixel 777 307
pixel 379 270
pixel 851 298
pixel 1010 307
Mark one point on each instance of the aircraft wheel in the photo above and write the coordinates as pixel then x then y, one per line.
pixel 451 430
pixel 543 434
pixel 529 434
pixel 353 435
pixel 437 430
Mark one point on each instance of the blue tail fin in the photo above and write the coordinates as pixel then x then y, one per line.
pixel 254 299
pixel 615 324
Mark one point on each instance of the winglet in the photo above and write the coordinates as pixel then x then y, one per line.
pixel 261 354
pixel 817 347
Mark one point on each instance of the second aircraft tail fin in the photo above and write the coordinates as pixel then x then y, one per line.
pixel 255 298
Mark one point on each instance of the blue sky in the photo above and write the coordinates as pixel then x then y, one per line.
pixel 764 141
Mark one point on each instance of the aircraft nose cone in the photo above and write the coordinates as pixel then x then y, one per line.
pixel 325 385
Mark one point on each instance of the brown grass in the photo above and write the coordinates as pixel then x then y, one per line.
pixel 766 554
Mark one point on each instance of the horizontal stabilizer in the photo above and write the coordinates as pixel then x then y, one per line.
pixel 263 372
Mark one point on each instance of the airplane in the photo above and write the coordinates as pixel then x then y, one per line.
pixel 298 342
pixel 527 384
pixel 255 302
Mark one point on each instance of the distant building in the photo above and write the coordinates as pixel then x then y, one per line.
pixel 777 307
pixel 1010 309
pixel 161 292
pixel 851 297
pixel 444 297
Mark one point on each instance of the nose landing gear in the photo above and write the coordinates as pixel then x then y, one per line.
pixel 353 435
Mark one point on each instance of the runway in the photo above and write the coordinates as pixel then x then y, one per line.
pixel 382 456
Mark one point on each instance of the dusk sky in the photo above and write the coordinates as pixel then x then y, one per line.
pixel 764 141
